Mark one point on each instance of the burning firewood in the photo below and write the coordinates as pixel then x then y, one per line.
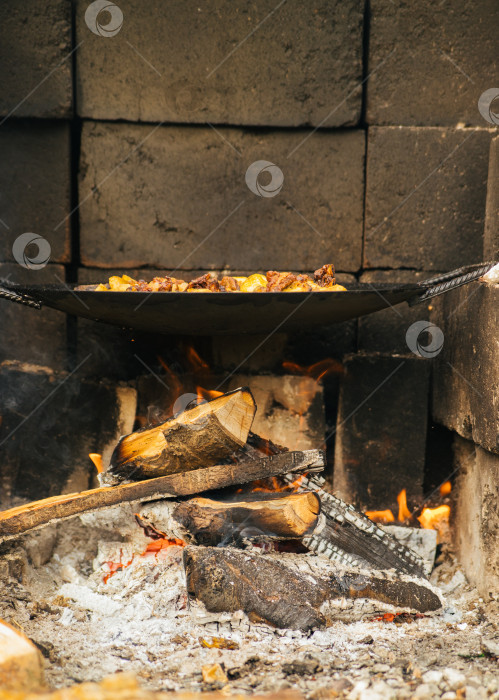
pixel 282 516
pixel 15 521
pixel 198 437
pixel 291 593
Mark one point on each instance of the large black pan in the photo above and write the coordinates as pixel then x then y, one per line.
pixel 230 313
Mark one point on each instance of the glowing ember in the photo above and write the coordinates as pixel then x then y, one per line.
pixel 404 512
pixel 114 566
pixel 445 489
pixel 157 546
pixel 381 516
pixel 97 460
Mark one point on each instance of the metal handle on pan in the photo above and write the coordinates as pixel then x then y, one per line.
pixel 19 298
pixel 451 280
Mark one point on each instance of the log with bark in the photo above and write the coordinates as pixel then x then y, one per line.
pixel 221 522
pixel 287 591
pixel 198 437
pixel 18 520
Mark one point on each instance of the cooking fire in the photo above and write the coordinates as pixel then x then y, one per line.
pixel 249 359
pixel 211 556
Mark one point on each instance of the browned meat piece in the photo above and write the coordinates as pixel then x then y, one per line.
pixel 277 281
pixel 208 281
pixel 229 284
pixel 141 286
pixel 324 276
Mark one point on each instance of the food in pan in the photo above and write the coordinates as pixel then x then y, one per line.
pixel 322 280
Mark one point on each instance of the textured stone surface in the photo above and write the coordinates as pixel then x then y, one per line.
pixel 32 335
pixel 466 373
pixel 385 330
pixel 35 185
pixel 425 200
pixel 290 410
pixel 50 423
pixel 264 63
pixel 180 199
pixel 35 57
pixel 491 234
pixel 430 62
pixel 476 520
pixel 381 430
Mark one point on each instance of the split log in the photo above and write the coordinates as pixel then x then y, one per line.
pixel 271 590
pixel 196 438
pixel 21 664
pixel 18 520
pixel 350 538
pixel 215 522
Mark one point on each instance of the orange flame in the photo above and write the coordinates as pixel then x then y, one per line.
pixel 381 516
pixel 196 363
pixel 404 512
pixel 317 371
pixel 434 518
pixel 174 383
pixel 97 460
pixel 207 394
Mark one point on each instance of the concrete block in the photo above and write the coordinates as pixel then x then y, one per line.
pixel 466 372
pixel 381 430
pixel 425 199
pixel 51 421
pixel 429 63
pixel 240 63
pixel 188 205
pixel 45 329
pixel 385 330
pixel 35 58
pixel 35 185
pixel 290 410
pixel 476 520
pixel 491 234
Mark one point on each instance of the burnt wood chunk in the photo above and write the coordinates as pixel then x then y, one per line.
pixel 279 516
pixel 15 521
pixel 350 538
pixel 227 580
pixel 198 437
pixel 288 591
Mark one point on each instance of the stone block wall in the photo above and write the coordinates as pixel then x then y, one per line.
pixel 126 137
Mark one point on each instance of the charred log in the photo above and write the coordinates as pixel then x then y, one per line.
pixel 350 538
pixel 269 589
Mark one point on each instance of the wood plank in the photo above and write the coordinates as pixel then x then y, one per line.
pixel 27 517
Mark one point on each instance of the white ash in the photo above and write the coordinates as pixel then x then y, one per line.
pixel 140 621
